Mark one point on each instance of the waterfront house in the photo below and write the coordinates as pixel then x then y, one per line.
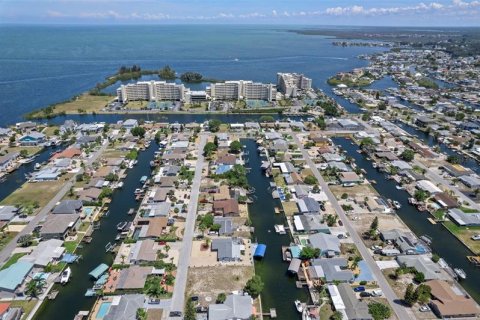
pixel 423 121
pixel 133 278
pixel 69 153
pixel 32 139
pixel 464 219
pixel 8 212
pixel 349 178
pixel 45 252
pixel 5 132
pixel 68 207
pixel 90 194
pixel 310 223
pixel 308 205
pixel 375 204
pixel 406 242
pixel 456 170
pixel 13 276
pixel 129 124
pixel 330 270
pixel 228 249
pixel 449 303
pixel 222 194
pixel 328 244
pixel 47 174
pixel 226 208
pixel 26 126
pixel 226 225
pixel 151 228
pixel 428 186
pixel 445 200
pixel 337 300
pixel 354 308
pixel 8 160
pixel 471 181
pixel 57 226
pixel 423 264
pixel 143 251
pixel 235 306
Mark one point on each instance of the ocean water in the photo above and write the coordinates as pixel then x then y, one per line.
pixel 40 65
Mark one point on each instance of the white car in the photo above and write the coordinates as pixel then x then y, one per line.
pixel 476 237
pixel 424 308
pixel 376 293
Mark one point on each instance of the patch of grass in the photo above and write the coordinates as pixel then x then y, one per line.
pixel 5 238
pixel 84 103
pixel 290 208
pixel 14 258
pixel 70 246
pixel 39 193
pixel 465 235
pixel 30 150
pixel 468 210
pixel 26 305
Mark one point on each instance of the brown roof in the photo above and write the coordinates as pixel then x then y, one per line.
pixel 226 206
pixel 133 277
pixel 448 303
pixel 223 194
pixel 155 226
pixel 89 194
pixel 446 200
pixel 103 171
pixel 167 182
pixel 227 159
pixel 68 153
pixel 147 251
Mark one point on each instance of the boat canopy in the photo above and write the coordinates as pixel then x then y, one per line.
pixel 260 250
pixel 69 258
pixel 294 265
pixel 98 271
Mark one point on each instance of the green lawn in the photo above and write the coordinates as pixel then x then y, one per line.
pixel 14 258
pixel 26 305
pixel 70 246
pixel 468 210
pixel 465 234
pixel 5 238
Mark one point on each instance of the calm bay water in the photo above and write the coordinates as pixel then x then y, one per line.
pixel 41 65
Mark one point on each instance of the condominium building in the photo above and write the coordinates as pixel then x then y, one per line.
pixel 151 91
pixel 236 90
pixel 291 83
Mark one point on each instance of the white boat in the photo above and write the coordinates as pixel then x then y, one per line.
pixel 299 306
pixel 37 166
pixel 460 273
pixel 120 185
pixel 280 229
pixel 399 187
pixel 396 204
pixel 65 277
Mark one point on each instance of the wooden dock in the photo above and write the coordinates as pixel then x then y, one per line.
pixel 272 314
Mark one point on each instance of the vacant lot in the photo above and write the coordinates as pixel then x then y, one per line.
pixel 39 193
pixel 465 235
pixel 208 282
pixel 83 104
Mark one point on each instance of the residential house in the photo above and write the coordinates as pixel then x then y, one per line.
pixel 423 264
pixel 328 244
pixel 226 208
pixel 57 226
pixel 464 219
pixel 68 207
pixel 228 249
pixel 449 303
pixel 235 306
pixel 354 308
pixel 330 270
pixel 32 139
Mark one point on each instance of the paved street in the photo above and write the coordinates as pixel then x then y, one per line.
pixel 388 293
pixel 178 298
pixel 8 249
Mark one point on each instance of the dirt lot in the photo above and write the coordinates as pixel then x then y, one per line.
pixel 207 258
pixel 363 190
pixel 208 282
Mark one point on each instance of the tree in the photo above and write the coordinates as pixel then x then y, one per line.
pixel 266 119
pixel 331 220
pixel 311 180
pixel 337 315
pixel 459 116
pixel 221 297
pixel 320 122
pixel 308 253
pixel 374 224
pixel 141 314
pixel 408 155
pixel 190 313
pixel 214 125
pixel 453 159
pixel 423 293
pixel 191 77
pixel 23 153
pixel 153 288
pixel 435 257
pixel 25 240
pixel 235 146
pixel 138 132
pixel 34 287
pixel 366 142
pixel 166 73
pixel 209 149
pixel 419 277
pixel 254 286
pixel 410 297
pixel 344 195
pixel 379 311
pixel 421 195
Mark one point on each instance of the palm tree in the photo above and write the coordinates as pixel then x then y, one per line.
pixel 154 288
pixel 34 287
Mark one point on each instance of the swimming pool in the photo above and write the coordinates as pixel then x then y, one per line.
pixel 87 211
pixel 103 310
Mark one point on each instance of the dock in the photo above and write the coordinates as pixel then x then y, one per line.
pixel 272 314
pixel 52 295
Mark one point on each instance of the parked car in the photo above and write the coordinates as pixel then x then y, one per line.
pixel 194 298
pixel 153 301
pixel 175 314
pixel 424 308
pixel 359 289
pixel 377 293
pixel 365 294
pixel 476 237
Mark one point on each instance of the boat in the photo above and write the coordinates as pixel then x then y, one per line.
pixel 120 185
pixel 65 277
pixel 28 160
pixel 396 204
pixel 138 191
pixel 121 225
pixel 460 273
pixel 143 179
pixel 299 306
pixel 37 166
pixel 152 164
pixel 131 211
pixel 426 239
pixel 399 187
pixel 109 246
pixel 280 229
pixel 374 164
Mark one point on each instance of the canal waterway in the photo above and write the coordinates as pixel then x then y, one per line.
pixel 432 142
pixel 71 297
pixel 443 242
pixel 280 291
pixel 14 180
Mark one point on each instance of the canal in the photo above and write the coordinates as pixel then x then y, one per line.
pixel 14 180
pixel 280 291
pixel 443 242
pixel 432 142
pixel 71 297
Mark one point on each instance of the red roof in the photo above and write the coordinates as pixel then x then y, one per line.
pixel 68 153
pixel 4 307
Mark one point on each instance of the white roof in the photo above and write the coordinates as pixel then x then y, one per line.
pixel 45 252
pixel 336 298
pixel 428 186
pixel 298 223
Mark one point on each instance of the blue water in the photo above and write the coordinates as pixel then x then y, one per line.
pixel 103 310
pixel 41 65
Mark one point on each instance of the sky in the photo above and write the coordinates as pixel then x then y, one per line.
pixel 301 12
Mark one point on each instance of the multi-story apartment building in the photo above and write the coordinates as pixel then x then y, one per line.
pixel 151 91
pixel 291 83
pixel 237 90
